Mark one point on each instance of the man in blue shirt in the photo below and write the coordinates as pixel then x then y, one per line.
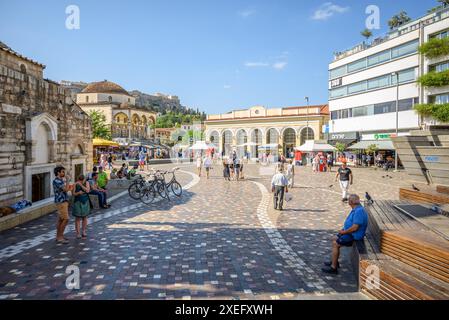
pixel 61 186
pixel 354 229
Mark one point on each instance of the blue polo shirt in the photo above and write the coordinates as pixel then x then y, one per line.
pixel 357 216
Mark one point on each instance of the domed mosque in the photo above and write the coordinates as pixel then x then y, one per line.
pixel 128 121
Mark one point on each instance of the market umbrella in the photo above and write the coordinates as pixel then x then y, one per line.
pixel 199 145
pixel 98 142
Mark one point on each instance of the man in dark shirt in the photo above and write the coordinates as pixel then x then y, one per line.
pixel 345 175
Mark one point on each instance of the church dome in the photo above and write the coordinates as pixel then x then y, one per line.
pixel 104 87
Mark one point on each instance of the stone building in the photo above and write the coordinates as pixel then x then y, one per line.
pixel 128 121
pixel 279 130
pixel 40 128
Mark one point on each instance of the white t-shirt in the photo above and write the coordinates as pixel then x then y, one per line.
pixel 198 162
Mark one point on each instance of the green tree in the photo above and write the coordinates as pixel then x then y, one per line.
pixel 372 149
pixel 366 33
pixel 99 127
pixel 398 20
pixel 341 147
pixel 445 3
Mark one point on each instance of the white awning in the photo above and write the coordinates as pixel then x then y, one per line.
pixel 313 146
pixel 381 145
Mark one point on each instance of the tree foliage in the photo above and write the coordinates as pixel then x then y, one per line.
pixel 366 33
pixel 438 112
pixel 372 149
pixel 398 20
pixel 341 147
pixel 172 119
pixel 99 127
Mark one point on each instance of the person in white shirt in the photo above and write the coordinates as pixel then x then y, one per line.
pixel 207 163
pixel 290 173
pixel 199 163
pixel 279 185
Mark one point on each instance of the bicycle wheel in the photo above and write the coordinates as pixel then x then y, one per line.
pixel 148 195
pixel 161 190
pixel 176 189
pixel 134 190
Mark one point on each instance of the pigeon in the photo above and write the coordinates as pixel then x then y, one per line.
pixel 383 177
pixel 414 187
pixel 331 186
pixel 368 198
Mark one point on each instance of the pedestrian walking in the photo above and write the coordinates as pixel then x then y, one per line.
pixel 231 167
pixel 346 179
pixel 279 186
pixel 330 162
pixel 61 186
pixel 290 173
pixel 110 167
pixel 207 163
pixel 237 168
pixel 241 169
pixel 199 163
pixel 81 206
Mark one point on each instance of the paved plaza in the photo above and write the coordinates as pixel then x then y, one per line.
pixel 219 240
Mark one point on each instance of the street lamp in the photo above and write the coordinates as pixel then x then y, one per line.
pixel 307 118
pixel 396 75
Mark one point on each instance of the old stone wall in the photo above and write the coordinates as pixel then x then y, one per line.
pixel 22 97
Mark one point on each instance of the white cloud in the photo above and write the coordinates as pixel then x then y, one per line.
pixel 256 64
pixel 246 13
pixel 327 10
pixel 280 65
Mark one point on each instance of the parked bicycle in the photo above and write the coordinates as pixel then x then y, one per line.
pixel 157 185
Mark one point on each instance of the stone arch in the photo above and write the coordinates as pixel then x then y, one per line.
pixel 241 140
pixel 306 133
pixel 121 118
pixel 23 68
pixel 135 119
pixel 41 136
pixel 285 128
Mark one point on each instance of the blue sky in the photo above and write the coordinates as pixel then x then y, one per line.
pixel 216 55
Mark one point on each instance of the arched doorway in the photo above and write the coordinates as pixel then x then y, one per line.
pixel 242 139
pixel 306 134
pixel 289 139
pixel 227 143
pixel 42 147
pixel 256 139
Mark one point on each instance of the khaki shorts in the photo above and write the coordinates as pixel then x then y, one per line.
pixel 63 210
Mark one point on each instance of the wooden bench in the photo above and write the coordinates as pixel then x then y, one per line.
pixel 423 196
pixel 413 261
pixel 396 281
pixel 443 189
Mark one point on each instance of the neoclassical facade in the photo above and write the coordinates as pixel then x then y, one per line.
pixel 127 120
pixel 258 128
pixel 40 128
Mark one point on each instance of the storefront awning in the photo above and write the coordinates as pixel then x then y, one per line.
pixel 381 145
pixel 104 143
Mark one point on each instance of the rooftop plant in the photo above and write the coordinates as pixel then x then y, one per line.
pixel 434 79
pixel 435 48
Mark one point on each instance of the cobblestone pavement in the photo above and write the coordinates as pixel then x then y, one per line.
pixel 219 240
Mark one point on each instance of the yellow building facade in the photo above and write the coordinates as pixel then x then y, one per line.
pixel 258 129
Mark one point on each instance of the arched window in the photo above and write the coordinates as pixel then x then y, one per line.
pixel 272 136
pixel 110 99
pixel 227 142
pixel 42 148
pixel 87 99
pixel 306 134
pixel 23 68
pixel 289 139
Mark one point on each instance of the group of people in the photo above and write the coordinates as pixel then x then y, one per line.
pixel 325 161
pixel 94 184
pixel 233 167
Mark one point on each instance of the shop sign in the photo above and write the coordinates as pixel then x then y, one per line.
pixel 336 83
pixel 344 136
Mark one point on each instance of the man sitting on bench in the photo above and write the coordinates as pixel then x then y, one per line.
pixel 354 229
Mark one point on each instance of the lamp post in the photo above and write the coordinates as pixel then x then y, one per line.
pixel 307 118
pixel 396 75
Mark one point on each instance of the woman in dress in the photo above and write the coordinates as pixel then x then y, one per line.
pixel 199 165
pixel 290 173
pixel 81 206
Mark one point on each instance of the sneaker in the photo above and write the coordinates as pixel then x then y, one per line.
pixel 328 264
pixel 330 270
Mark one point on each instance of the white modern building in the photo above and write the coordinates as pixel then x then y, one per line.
pixel 363 87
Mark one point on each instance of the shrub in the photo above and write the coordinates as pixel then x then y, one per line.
pixel 434 79
pixel 435 48
pixel 439 112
